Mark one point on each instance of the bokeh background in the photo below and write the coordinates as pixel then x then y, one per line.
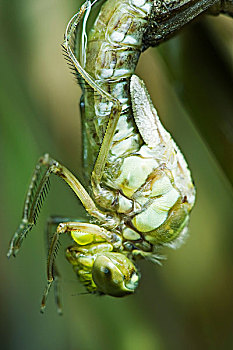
pixel 186 304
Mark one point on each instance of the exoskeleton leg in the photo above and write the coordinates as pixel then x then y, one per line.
pixel 52 223
pixel 36 193
pixel 84 234
pixel 153 257
pixel 68 46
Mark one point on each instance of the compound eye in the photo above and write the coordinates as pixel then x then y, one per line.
pixel 115 275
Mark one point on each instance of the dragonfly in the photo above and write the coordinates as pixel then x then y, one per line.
pixel 139 191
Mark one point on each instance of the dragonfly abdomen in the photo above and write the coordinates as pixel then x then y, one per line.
pixel 113 49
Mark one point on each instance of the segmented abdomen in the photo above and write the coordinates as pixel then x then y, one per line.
pixel 113 49
pixel 146 180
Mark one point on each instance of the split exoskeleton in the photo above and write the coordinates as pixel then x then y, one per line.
pixel 141 189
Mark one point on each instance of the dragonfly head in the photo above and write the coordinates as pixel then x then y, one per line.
pixel 114 274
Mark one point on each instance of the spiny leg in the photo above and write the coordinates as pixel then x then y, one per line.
pixel 68 46
pixel 36 194
pixel 83 233
pixel 52 272
pixel 52 223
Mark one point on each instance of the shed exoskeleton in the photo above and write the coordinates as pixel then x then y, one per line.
pixel 141 189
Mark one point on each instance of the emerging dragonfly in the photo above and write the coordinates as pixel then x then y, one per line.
pixel 141 189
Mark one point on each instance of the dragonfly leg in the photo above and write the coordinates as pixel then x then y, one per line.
pixel 52 272
pixel 150 256
pixel 68 46
pixel 37 191
pixel 83 234
pixel 52 223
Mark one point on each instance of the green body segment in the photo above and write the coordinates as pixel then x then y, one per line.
pixel 98 267
pixel 113 49
pixel 138 181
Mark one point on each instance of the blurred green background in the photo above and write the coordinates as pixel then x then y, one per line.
pixel 186 304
